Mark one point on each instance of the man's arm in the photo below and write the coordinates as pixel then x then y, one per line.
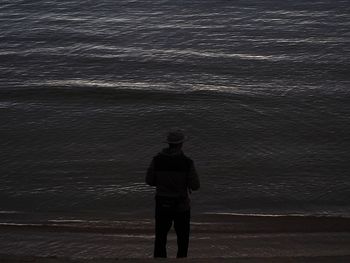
pixel 151 175
pixel 194 183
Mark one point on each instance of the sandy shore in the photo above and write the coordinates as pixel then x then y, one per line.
pixel 214 238
pixel 326 259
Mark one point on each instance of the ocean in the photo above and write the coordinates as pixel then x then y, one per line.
pixel 88 90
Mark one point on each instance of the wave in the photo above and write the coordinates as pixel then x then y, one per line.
pixel 100 90
pixel 110 91
pixel 292 215
pixel 4 212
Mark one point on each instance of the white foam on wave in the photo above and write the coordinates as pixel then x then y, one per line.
pixel 9 212
pixel 253 214
pixel 20 224
pixel 71 221
pixel 272 215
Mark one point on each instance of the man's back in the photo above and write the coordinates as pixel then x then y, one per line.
pixel 173 174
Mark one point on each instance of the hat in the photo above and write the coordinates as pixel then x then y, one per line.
pixel 175 137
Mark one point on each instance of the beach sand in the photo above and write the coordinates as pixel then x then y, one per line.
pixel 214 238
pixel 329 259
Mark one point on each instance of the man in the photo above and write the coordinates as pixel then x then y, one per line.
pixel 174 176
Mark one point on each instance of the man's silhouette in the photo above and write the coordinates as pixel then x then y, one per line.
pixel 174 176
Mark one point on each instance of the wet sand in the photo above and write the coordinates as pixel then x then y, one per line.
pixel 214 238
pixel 335 259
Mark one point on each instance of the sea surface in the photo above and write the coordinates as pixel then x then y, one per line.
pixel 88 90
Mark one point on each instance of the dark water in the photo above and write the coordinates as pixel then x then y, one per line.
pixel 89 88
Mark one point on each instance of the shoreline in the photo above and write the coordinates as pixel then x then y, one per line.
pixel 204 223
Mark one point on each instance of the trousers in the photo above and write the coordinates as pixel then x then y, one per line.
pixel 165 216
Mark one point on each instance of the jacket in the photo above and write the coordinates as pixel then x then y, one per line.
pixel 174 175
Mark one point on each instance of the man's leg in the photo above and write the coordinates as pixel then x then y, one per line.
pixel 182 229
pixel 163 225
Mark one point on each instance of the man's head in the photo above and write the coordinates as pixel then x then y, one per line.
pixel 176 138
